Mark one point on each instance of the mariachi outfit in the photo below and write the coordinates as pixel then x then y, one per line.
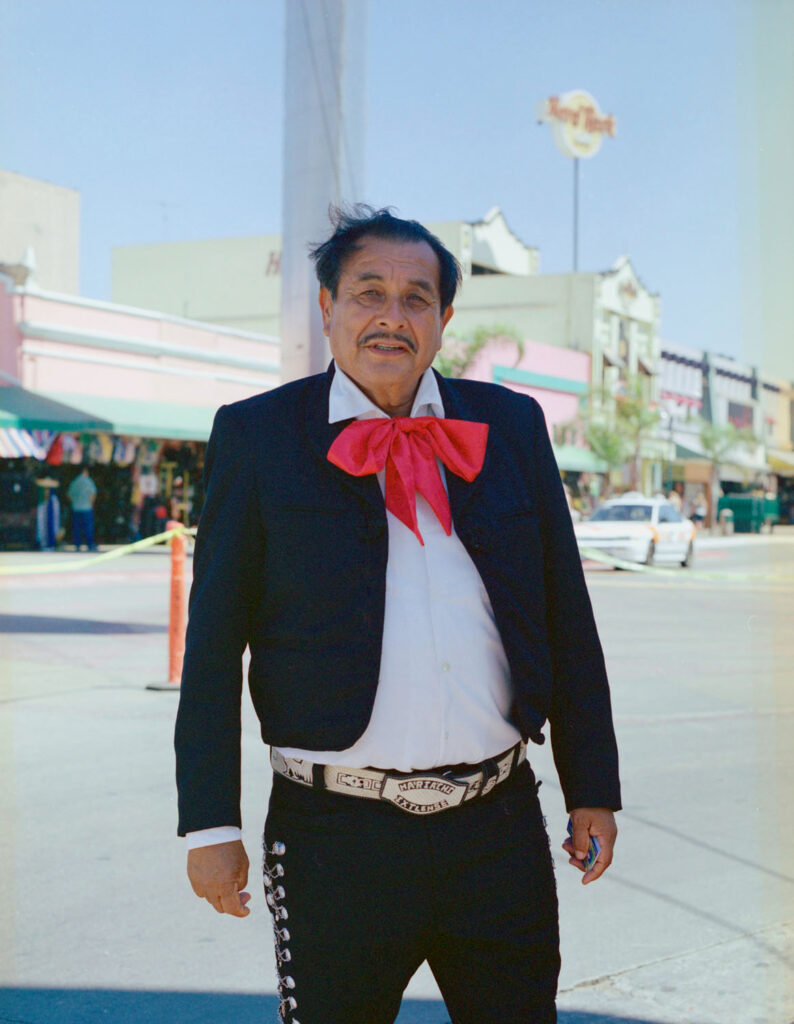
pixel 400 662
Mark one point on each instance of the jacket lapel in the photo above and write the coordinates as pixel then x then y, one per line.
pixel 461 493
pixel 322 435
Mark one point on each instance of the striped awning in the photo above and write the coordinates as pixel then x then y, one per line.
pixel 16 443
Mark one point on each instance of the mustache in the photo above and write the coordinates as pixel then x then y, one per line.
pixel 386 336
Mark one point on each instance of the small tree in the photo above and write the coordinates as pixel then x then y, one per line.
pixel 458 351
pixel 718 441
pixel 637 419
pixel 610 445
pixel 615 426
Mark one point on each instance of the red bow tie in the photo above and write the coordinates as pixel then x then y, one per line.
pixel 407 447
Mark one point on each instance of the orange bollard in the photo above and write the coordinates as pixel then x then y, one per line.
pixel 177 613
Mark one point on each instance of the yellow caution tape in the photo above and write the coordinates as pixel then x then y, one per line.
pixel 106 556
pixel 595 555
pixel 591 554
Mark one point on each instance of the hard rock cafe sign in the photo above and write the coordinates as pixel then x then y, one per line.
pixel 578 125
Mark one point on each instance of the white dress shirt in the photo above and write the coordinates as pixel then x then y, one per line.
pixel 444 688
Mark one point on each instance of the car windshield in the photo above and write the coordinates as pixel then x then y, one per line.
pixel 623 513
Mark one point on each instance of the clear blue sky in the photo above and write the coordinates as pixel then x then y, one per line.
pixel 167 116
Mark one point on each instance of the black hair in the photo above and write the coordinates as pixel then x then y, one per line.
pixel 362 221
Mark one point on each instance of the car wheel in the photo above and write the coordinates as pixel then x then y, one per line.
pixel 690 551
pixel 651 553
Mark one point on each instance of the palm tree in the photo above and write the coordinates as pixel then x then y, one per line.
pixel 718 440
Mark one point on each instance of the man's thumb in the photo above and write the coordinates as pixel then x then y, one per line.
pixel 581 840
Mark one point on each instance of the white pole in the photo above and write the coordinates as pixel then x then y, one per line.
pixel 324 91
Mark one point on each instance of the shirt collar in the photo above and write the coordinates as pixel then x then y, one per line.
pixel 347 401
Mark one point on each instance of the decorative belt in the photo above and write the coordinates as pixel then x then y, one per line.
pixel 414 792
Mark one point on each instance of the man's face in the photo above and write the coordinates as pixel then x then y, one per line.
pixel 385 325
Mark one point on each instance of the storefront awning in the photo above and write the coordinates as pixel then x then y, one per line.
pixel 28 410
pixel 166 421
pixel 573 459
pixel 682 452
pixel 781 461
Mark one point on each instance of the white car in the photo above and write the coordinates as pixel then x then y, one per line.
pixel 639 529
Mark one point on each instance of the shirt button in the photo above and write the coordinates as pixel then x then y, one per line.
pixel 445 666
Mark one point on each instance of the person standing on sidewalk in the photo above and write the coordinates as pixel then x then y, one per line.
pixel 395 548
pixel 82 495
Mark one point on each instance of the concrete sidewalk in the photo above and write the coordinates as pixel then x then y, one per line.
pixel 691 925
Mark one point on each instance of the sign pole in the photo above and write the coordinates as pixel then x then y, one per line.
pixel 575 214
pixel 578 127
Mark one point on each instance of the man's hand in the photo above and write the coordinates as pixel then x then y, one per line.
pixel 591 821
pixel 218 874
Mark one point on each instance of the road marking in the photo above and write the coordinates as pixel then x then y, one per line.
pixel 594 555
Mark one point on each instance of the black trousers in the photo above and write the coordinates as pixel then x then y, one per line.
pixel 362 893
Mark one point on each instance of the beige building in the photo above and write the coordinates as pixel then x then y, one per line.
pixel 236 282
pixel 40 233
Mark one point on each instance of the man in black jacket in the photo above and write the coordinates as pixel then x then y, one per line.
pixel 395 550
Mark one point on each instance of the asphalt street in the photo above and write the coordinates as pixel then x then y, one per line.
pixel 693 924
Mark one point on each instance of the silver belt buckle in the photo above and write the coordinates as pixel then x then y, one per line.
pixel 423 794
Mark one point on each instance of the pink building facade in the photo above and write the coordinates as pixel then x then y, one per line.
pixel 558 378
pixel 132 367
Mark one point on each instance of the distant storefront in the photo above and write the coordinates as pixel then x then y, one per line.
pixel 128 393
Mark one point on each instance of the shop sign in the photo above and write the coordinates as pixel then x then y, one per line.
pixel 578 124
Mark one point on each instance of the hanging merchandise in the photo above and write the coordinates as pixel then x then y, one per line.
pixel 149 452
pixel 72 449
pixel 69 443
pixel 100 449
pixel 119 451
pixel 93 449
pixel 48 514
pixel 44 438
pixel 148 484
pixel 107 448
pixel 55 451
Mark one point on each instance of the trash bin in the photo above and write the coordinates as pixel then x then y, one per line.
pixel 747 510
pixel 771 511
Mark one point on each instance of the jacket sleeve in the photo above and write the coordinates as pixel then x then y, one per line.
pixel 582 732
pixel 226 569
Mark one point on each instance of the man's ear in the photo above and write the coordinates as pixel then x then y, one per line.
pixel 326 308
pixel 446 316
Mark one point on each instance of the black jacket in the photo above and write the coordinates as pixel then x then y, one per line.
pixel 291 559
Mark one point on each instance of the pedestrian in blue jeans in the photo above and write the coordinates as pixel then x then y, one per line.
pixel 82 494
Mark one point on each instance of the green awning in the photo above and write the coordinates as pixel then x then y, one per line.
pixel 28 410
pixel 682 452
pixel 573 459
pixel 166 421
